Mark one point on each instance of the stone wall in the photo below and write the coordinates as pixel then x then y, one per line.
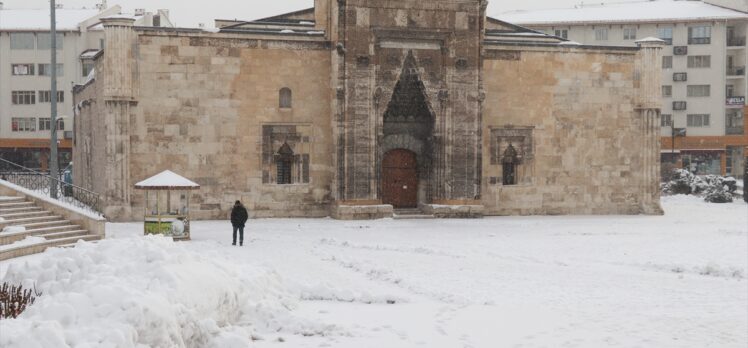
pixel 202 103
pixel 589 152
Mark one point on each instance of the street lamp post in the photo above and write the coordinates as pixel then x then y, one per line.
pixel 53 165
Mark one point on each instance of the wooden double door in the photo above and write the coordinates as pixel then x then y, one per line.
pixel 400 179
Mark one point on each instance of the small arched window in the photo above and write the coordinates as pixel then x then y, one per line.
pixel 284 163
pixel 509 163
pixel 285 98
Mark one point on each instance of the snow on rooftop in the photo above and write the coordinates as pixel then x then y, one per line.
pixel 640 11
pixel 67 19
pixel 167 179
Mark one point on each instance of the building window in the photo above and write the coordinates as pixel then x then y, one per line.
pixel 45 123
pixel 667 91
pixel 23 124
pixel 601 34
pixel 698 120
pixel 46 70
pixel 285 154
pixel 734 122
pixel 698 91
pixel 679 105
pixel 699 61
pixel 629 33
pixel 509 163
pixel 23 97
pixel 21 41
pixel 665 34
pixel 86 67
pixel 45 96
pixel 284 165
pixel 512 153
pixel 667 62
pixel 680 77
pixel 702 162
pixel 666 120
pixel 285 98
pixel 700 35
pixel 22 69
pixel 44 41
pixel 562 33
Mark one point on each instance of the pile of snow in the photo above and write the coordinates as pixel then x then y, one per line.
pixel 27 241
pixel 150 291
pixel 714 188
pixel 13 229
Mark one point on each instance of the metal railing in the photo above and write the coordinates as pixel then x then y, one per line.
pixel 736 71
pixel 42 184
pixel 734 130
pixel 735 41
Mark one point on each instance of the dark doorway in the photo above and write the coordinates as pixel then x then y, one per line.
pixel 400 179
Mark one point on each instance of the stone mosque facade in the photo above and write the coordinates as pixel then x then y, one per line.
pixel 357 108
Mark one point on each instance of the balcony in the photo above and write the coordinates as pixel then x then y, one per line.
pixel 736 42
pixel 735 101
pixel 734 122
pixel 738 71
pixel 733 130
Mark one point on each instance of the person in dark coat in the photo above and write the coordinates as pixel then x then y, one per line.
pixel 239 217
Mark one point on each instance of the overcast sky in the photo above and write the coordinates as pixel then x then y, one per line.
pixel 188 13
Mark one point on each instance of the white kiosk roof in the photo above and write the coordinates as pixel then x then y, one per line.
pixel 167 180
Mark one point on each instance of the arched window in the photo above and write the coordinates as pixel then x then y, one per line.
pixel 284 163
pixel 284 98
pixel 509 163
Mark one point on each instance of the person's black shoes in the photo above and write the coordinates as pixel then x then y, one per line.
pixel 234 243
pixel 241 243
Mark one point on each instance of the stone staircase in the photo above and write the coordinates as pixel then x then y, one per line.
pixel 20 218
pixel 411 214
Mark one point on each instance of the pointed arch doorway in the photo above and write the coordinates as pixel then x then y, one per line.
pixel 406 147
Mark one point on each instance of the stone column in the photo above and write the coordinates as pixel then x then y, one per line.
pixel 648 83
pixel 118 75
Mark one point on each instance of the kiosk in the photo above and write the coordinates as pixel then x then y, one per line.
pixel 167 204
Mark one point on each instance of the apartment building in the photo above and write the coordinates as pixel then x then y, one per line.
pixel 703 67
pixel 25 75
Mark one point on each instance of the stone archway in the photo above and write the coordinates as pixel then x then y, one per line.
pixel 407 130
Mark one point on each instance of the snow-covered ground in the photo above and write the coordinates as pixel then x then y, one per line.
pixel 679 280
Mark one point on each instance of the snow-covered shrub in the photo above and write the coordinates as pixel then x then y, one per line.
pixel 718 195
pixel 679 183
pixel 714 188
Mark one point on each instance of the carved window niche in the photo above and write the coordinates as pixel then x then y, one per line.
pixel 509 164
pixel 512 156
pixel 286 153
pixel 285 98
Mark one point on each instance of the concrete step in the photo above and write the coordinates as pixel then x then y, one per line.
pixel 18 210
pixel 29 221
pixel 20 215
pixel 66 234
pixel 11 199
pixel 9 238
pixel 6 254
pixel 413 216
pixel 16 204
